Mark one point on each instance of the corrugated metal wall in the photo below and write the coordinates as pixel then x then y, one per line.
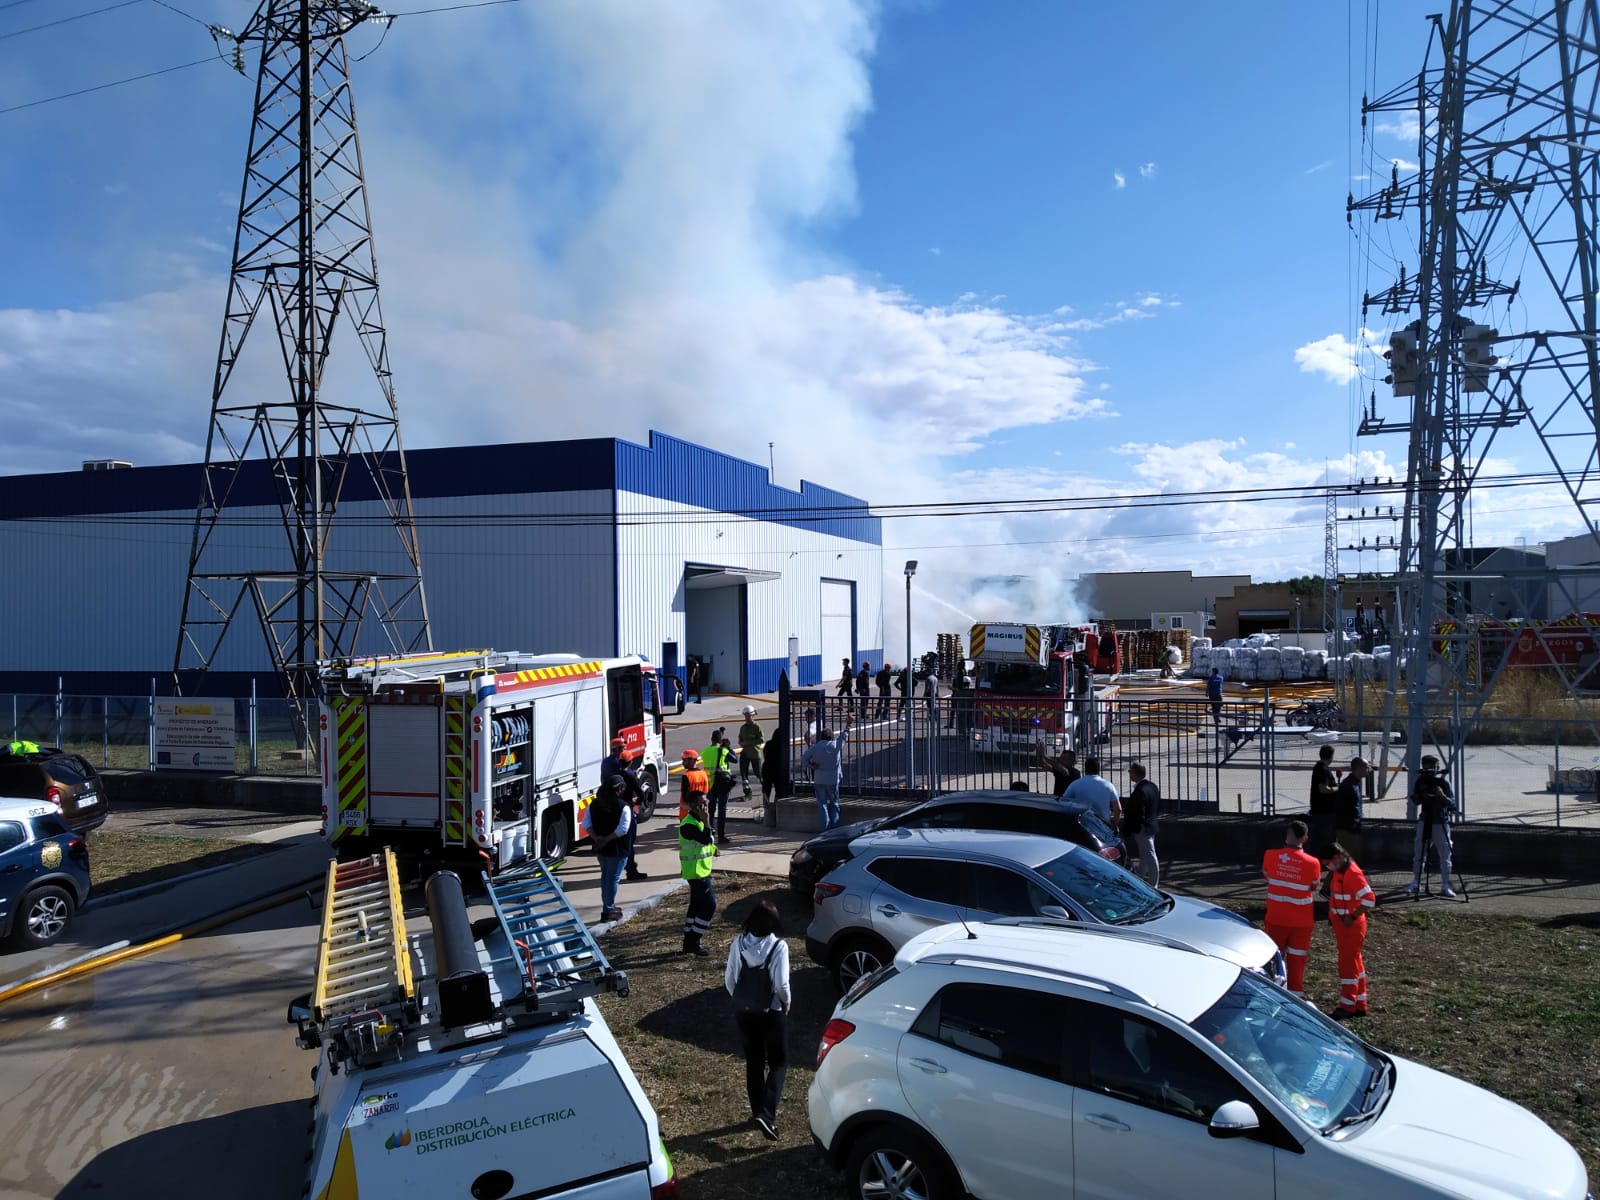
pixel 655 538
pixel 526 572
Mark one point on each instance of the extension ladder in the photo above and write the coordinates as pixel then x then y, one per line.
pixel 363 961
pixel 558 958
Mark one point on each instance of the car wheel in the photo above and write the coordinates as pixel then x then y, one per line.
pixel 886 1163
pixel 556 839
pixel 649 793
pixel 42 916
pixel 858 956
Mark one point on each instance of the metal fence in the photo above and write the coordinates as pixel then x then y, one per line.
pixel 1236 757
pixel 120 731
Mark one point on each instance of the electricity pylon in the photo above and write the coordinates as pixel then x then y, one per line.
pixel 303 253
pixel 1505 184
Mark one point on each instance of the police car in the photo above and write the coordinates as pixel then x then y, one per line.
pixel 44 872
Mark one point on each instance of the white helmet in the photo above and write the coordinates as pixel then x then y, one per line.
pixel 749 710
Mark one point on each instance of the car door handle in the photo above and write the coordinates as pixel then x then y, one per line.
pixel 1106 1122
pixel 11 868
pixel 888 910
pixel 928 1065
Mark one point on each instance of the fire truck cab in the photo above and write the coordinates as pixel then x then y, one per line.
pixel 479 756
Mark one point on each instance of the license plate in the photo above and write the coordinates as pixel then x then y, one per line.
pixel 88 800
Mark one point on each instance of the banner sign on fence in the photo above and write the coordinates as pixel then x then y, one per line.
pixel 194 734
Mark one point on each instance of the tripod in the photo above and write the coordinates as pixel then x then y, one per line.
pixel 1430 860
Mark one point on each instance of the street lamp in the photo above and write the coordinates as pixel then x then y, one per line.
pixel 911 708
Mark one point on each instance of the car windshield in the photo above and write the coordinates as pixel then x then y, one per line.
pixel 1323 1073
pixel 1109 893
pixel 1021 679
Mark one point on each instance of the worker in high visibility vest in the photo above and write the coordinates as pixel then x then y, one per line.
pixel 22 747
pixel 696 850
pixel 1349 898
pixel 694 779
pixel 1292 878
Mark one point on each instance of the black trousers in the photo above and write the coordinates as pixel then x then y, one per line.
pixel 766 1059
pixel 702 907
pixel 720 787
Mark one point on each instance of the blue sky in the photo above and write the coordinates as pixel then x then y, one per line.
pixel 930 250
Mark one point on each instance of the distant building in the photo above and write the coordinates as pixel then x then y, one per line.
pixel 1136 599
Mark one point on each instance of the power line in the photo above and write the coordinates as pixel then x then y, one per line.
pixel 100 87
pixel 94 12
pixel 454 8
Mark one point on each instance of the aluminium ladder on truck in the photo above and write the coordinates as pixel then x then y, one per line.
pixel 558 959
pixel 364 996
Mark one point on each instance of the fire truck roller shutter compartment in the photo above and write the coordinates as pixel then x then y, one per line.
pixel 403 781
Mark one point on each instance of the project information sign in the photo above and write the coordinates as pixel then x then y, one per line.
pixel 194 734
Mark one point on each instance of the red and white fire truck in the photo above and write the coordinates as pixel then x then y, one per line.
pixel 478 755
pixel 1022 687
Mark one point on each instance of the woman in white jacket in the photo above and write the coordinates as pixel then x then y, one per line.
pixel 758 980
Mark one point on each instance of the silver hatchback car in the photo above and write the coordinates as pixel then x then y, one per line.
pixel 903 881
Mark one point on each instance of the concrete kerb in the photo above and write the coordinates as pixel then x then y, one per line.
pixel 150 889
pixel 169 935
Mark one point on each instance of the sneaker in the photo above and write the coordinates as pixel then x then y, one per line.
pixel 611 914
pixel 1448 892
pixel 1411 888
pixel 768 1129
pixel 700 952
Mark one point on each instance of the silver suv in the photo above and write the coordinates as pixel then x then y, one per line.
pixel 904 881
pixel 1028 1062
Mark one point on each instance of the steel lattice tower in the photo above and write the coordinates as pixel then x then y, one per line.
pixel 1508 140
pixel 303 254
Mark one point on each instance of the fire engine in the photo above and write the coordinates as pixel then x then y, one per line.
pixel 1023 686
pixel 478 755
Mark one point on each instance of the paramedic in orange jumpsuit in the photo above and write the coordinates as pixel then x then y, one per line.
pixel 1349 898
pixel 1292 878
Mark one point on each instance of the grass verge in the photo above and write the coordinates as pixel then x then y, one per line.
pixel 1505 1003
pixel 119 861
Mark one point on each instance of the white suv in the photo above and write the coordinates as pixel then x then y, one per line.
pixel 1020 1059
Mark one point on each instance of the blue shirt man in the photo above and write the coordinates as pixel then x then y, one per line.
pixel 1099 794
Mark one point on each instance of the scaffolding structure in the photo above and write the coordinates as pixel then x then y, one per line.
pixel 1492 351
pixel 303 257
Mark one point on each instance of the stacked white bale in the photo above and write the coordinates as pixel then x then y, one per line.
pixel 1361 667
pixel 1244 664
pixel 1269 664
pixel 1199 657
pixel 1337 668
pixel 1222 660
pixel 1294 663
pixel 1316 663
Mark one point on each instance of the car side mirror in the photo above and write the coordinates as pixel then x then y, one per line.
pixel 1234 1119
pixel 1056 912
pixel 300 1009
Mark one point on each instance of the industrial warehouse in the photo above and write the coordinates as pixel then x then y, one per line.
pixel 598 546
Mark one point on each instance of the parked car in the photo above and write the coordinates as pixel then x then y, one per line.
pixel 903 881
pixel 44 872
pixel 60 778
pixel 1019 1063
pixel 1012 812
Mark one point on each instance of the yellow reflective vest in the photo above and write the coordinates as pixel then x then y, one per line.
pixel 694 857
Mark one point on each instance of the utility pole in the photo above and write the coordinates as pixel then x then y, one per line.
pixel 303 257
pixel 1506 181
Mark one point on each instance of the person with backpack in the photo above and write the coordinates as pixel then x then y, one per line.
pixel 610 818
pixel 758 980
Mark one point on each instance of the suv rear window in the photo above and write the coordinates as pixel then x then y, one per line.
pixel 1012 1026
pixel 10 835
pixel 68 769
pixel 50 825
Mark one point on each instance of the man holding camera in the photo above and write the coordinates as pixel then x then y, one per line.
pixel 1433 805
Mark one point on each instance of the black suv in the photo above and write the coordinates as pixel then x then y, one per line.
pixel 1006 811
pixel 57 777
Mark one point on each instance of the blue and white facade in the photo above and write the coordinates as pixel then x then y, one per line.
pixel 596 546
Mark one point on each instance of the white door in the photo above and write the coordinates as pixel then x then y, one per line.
pixel 838 626
pixel 1139 1122
pixel 983 1070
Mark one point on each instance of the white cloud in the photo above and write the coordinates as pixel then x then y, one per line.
pixel 1319 167
pixel 1147 171
pixel 1402 125
pixel 1404 164
pixel 1337 358
pixel 935 251
pixel 1118 179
